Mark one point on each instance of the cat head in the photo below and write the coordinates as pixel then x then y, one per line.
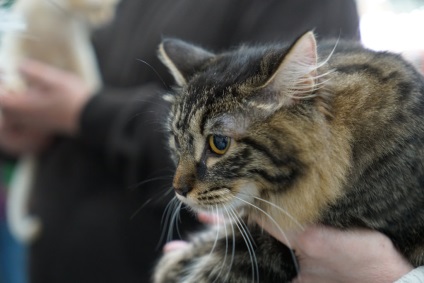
pixel 243 122
pixel 95 12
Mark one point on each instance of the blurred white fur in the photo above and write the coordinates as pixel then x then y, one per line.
pixel 10 22
pixel 56 32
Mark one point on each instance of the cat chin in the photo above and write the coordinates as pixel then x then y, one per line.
pixel 189 202
pixel 216 208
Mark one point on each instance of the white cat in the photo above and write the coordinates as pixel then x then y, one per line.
pixel 58 33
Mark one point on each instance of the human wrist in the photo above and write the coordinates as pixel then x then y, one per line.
pixel 70 122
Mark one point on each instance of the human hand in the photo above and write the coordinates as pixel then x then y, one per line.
pixel 329 255
pixel 205 218
pixel 52 103
pixel 17 140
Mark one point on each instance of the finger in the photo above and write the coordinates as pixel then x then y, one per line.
pixel 17 114
pixel 174 245
pixel 16 140
pixel 3 91
pixel 288 238
pixel 10 141
pixel 6 91
pixel 209 218
pixel 319 241
pixel 15 104
pixel 39 73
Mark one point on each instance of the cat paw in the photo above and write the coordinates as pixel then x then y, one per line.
pixel 172 263
pixel 100 12
pixel 95 12
pixel 196 263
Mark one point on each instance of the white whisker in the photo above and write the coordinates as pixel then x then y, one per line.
pixel 226 252
pixel 174 220
pixel 217 233
pixel 322 63
pixel 139 184
pixel 165 220
pixel 248 240
pixel 140 208
pixel 282 210
pixel 178 220
pixel 234 245
pixel 278 227
pixel 299 92
pixel 166 210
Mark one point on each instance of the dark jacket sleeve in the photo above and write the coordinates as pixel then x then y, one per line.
pixel 128 126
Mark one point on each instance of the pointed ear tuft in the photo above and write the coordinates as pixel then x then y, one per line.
pixel 182 59
pixel 295 77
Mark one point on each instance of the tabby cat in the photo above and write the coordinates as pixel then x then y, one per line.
pixel 298 134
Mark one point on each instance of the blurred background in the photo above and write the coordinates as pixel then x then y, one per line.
pixel 393 25
pixel 12 253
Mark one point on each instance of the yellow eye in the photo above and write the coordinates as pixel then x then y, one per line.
pixel 219 144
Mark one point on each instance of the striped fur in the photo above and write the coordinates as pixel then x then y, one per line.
pixel 327 135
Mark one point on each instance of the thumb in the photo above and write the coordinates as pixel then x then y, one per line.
pixel 287 237
pixel 17 103
pixel 39 73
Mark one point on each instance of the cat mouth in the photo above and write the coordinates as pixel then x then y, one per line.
pixel 210 198
pixel 217 198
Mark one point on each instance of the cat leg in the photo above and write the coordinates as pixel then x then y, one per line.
pixel 24 227
pixel 226 256
pixel 82 62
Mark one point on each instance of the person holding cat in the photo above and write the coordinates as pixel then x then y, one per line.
pixel 329 255
pixel 332 250
pixel 100 145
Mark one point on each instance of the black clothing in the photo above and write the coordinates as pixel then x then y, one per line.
pixel 86 190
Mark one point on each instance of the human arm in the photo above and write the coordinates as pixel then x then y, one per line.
pixel 123 124
pixel 17 136
pixel 52 102
pixel 16 140
pixel 328 255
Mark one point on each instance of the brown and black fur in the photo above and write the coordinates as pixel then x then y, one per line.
pixel 338 141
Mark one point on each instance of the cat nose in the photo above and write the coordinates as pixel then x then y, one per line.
pixel 182 191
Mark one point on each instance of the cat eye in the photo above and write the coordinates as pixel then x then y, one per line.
pixel 219 144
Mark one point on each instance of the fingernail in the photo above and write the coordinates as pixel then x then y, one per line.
pixel 174 245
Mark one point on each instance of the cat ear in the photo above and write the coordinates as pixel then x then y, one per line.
pixel 295 77
pixel 182 59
